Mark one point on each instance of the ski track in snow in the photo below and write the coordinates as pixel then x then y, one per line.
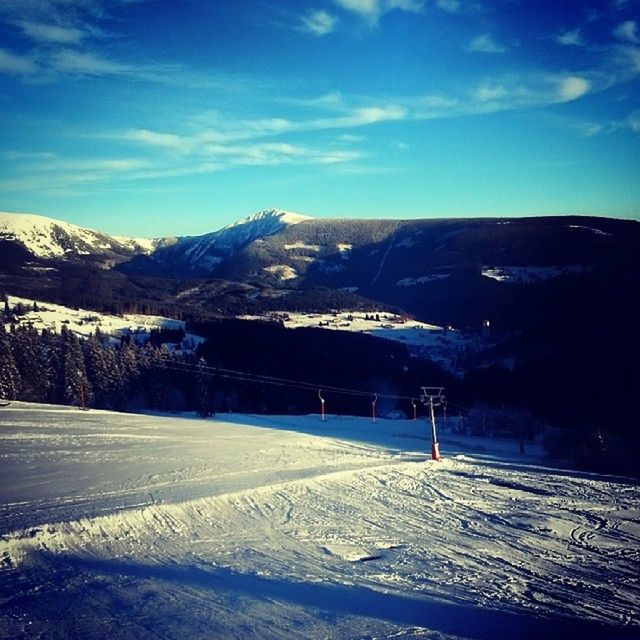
pixel 140 526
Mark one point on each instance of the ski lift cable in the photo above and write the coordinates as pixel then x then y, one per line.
pixel 259 379
pixel 256 377
pixel 306 386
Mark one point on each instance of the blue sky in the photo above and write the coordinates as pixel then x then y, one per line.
pixel 151 117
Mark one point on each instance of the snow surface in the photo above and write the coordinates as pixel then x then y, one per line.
pixel 84 323
pixel 128 526
pixel 42 236
pixel 49 238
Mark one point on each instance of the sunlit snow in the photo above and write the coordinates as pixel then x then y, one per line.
pixel 126 526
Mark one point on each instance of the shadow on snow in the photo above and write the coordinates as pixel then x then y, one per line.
pixel 462 620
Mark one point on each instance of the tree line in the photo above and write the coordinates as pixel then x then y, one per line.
pixel 59 368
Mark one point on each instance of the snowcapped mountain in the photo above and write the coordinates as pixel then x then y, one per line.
pixel 205 252
pixel 199 255
pixel 50 239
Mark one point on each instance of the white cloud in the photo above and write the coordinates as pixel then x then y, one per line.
pixel 168 141
pixel 570 38
pixel 490 92
pixel 632 122
pixel 450 6
pixel 28 155
pixel 371 10
pixel 16 64
pixel 349 137
pixel 42 32
pixel 572 87
pixel 627 31
pixel 486 44
pixel 318 23
pixel 76 62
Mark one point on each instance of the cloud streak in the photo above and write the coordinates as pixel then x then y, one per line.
pixel 42 32
pixel 370 11
pixel 485 43
pixel 318 23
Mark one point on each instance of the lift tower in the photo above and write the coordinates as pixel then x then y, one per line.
pixel 433 397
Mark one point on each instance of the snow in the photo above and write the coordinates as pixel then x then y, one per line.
pixel 49 238
pixel 285 218
pixel 411 282
pixel 129 526
pixel 527 275
pixel 41 235
pixel 593 230
pixel 139 245
pixel 302 245
pixel 84 323
pixel 207 251
pixel 282 271
pixel 440 344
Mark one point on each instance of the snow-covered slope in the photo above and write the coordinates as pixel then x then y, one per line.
pixel 203 253
pixel 55 239
pixel 84 323
pixel 250 527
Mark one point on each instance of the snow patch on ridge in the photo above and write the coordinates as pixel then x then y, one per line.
pixel 282 271
pixel 528 275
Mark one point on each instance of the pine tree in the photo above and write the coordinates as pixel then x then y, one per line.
pixel 31 364
pixel 75 387
pixel 10 382
pixel 205 402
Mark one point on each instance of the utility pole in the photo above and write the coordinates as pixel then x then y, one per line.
pixel 433 397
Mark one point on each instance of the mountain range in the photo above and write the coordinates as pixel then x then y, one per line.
pixel 518 272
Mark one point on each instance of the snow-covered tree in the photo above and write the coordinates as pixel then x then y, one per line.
pixel 10 382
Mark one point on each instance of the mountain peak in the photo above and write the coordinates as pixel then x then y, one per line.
pixel 266 216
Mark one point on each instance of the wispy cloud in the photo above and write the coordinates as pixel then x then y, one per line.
pixel 571 38
pixel 460 7
pixel 485 43
pixel 450 6
pixel 27 155
pixel 42 32
pixel 83 63
pixel 632 121
pixel 371 10
pixel 318 22
pixel 627 31
pixel 15 64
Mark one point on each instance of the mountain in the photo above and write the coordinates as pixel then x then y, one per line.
pixel 48 239
pixel 520 273
pixel 200 255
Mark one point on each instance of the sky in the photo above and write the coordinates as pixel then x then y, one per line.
pixel 176 117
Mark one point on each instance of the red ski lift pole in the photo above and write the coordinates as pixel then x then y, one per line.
pixel 373 407
pixel 321 404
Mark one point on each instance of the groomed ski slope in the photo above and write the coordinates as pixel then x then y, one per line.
pixel 127 526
